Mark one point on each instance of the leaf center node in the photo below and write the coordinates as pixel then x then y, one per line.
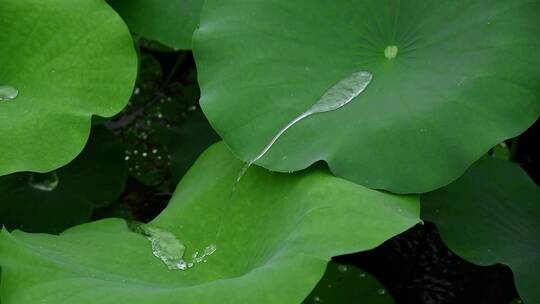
pixel 391 51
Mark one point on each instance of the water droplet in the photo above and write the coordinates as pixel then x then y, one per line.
pixel 381 291
pixel 209 250
pixel 342 93
pixel 144 154
pixel 126 158
pixel 165 246
pixel 43 181
pixel 362 275
pixel 342 268
pixel 169 249
pixel 8 92
pixel 181 265
pixel 391 51
pixel 154 151
pixel 334 98
pixel 242 173
pixel 317 299
pixel 137 91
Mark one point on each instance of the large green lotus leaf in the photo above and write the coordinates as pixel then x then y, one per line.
pixel 274 236
pixel 462 81
pixel 54 201
pixel 68 60
pixel 491 215
pixel 345 284
pixel 170 22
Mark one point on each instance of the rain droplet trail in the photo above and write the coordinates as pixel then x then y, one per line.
pixel 8 92
pixel 336 97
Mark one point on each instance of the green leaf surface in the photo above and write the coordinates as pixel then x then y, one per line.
pixel 68 60
pixel 451 79
pixel 491 215
pixel 170 22
pixel 346 284
pixel 274 236
pixel 52 202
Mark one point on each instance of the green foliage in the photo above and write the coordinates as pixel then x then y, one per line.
pixel 54 201
pixel 345 284
pixel 170 22
pixel 396 97
pixel 461 82
pixel 273 232
pixel 68 60
pixel 490 215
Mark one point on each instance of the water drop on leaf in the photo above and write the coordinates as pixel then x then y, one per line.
pixel 44 182
pixel 169 249
pixel 8 92
pixel 165 246
pixel 334 98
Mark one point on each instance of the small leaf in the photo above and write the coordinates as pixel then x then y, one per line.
pixel 490 215
pixel 170 22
